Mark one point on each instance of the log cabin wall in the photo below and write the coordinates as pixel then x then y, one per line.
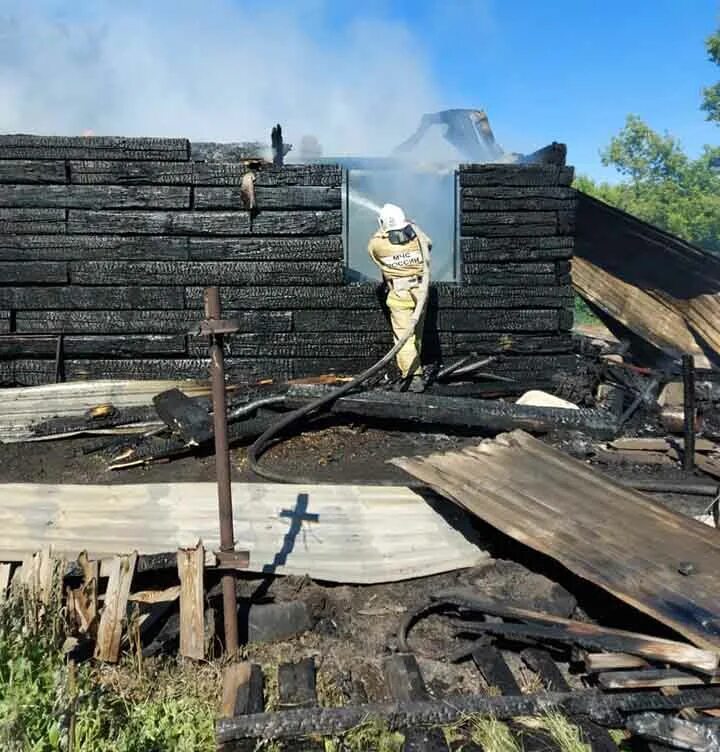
pixel 110 242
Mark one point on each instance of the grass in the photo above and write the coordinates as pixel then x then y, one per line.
pixel 583 314
pixel 46 704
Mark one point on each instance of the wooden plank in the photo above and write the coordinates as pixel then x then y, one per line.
pixel 629 457
pixel 498 321
pixel 340 321
pixel 270 197
pixel 495 670
pixel 114 346
pixel 553 680
pixel 328 248
pixel 92 147
pixel 203 223
pixel 406 684
pixel 107 647
pixel 28 272
pixel 91 247
pixel 490 415
pixel 525 268
pixel 455 297
pixel 517 280
pixel 242 691
pixel 511 343
pixel 5 570
pixel 151 597
pixel 32 221
pixel 32 171
pixel 204 273
pixel 595 662
pixel 529 204
pixel 652 677
pixel 184 416
pixel 103 172
pixel 232 173
pixel 147 322
pixel 6 322
pixel 559 506
pixel 296 685
pixel 661 444
pixel 86 601
pixel 95 197
pixel 132 222
pixel 515 175
pixel 513 192
pixel 508 218
pixel 89 298
pixel 191 567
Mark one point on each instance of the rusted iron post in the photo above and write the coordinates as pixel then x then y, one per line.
pixel 222 468
pixel 688 371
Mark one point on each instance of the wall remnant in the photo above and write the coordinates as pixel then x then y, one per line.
pixel 110 241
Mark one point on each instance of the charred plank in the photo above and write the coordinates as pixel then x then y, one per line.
pixel 519 230
pixel 229 174
pixel 92 147
pixel 542 268
pixel 158 222
pixel 513 193
pixel 515 175
pixel 512 343
pixel 340 321
pixel 270 197
pixel 328 248
pixel 326 222
pixel 489 320
pixel 528 204
pixel 184 416
pixel 32 221
pixel 24 272
pixel 206 272
pixel 142 322
pixel 97 172
pixel 95 197
pixel 5 322
pixel 117 346
pixel 516 280
pixel 68 298
pixel 491 416
pixel 26 171
pixel 296 685
pixel 90 247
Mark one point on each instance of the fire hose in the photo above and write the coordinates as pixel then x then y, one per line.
pixel 263 442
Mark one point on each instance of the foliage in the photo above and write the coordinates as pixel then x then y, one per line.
pixel 663 185
pixel 711 95
pixel 372 735
pixel 42 704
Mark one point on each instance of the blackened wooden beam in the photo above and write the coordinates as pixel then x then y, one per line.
pixel 91 247
pixel 491 416
pixel 88 298
pixel 329 248
pixel 229 173
pixel 184 416
pixel 511 343
pixel 95 197
pixel 38 272
pixel 104 172
pixel 515 175
pixel 31 172
pixel 541 662
pixel 269 197
pixel 606 709
pixel 240 273
pixel 117 346
pixel 528 204
pixel 32 221
pixel 406 684
pixel 296 684
pixel 498 279
pixel 141 322
pixel 92 147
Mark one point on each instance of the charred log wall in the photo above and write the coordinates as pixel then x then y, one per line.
pixel 109 242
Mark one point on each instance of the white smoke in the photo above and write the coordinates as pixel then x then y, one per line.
pixel 221 70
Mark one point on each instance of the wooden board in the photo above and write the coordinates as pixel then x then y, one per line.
pixel 107 647
pixel 600 531
pixel 22 146
pixel 5 570
pixel 191 566
pixel 95 197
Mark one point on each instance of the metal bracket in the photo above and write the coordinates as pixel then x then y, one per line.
pixel 213 327
pixel 232 559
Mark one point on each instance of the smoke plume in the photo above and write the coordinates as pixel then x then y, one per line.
pixel 219 70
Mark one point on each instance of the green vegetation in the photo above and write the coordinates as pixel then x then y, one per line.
pixel 46 705
pixel 662 184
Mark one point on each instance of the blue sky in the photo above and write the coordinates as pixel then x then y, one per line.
pixel 567 70
pixel 358 73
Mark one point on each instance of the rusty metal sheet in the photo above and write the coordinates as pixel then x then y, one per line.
pixel 616 538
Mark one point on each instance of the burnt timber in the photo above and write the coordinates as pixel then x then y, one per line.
pixel 102 238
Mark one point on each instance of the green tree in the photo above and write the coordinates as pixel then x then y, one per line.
pixel 662 184
pixel 711 95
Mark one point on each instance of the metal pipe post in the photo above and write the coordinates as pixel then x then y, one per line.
pixel 222 468
pixel 688 371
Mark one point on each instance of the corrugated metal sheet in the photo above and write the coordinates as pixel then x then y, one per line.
pixel 21 408
pixel 619 539
pixel 361 534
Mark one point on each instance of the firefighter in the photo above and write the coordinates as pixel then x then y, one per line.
pixel 395 248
